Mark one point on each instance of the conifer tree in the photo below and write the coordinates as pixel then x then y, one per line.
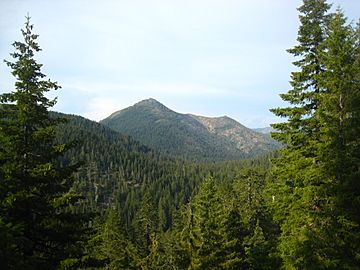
pixel 207 214
pixel 188 238
pixel 301 128
pixel 37 229
pixel 234 233
pixel 212 230
pixel 309 176
pixel 114 247
pixel 249 197
pixel 145 228
pixel 260 233
pixel 339 140
pixel 256 249
pixel 297 184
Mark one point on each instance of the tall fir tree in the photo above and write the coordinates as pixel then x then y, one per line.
pixel 37 229
pixel 260 232
pixel 145 231
pixel 301 128
pixel 114 248
pixel 306 191
pixel 213 231
pixel 339 148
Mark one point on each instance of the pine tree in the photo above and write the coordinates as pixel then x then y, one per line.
pixel 260 232
pixel 212 232
pixel 301 128
pixel 114 246
pixel 339 142
pixel 188 238
pixel 249 187
pixel 207 214
pixel 309 176
pixel 256 248
pixel 37 228
pixel 145 229
pixel 297 185
pixel 234 233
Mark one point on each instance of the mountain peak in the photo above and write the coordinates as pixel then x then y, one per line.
pixel 152 105
pixel 149 101
pixel 197 137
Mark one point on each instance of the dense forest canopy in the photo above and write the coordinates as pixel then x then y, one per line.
pixel 75 194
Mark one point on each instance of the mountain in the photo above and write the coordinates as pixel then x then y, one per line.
pixel 118 171
pixel 243 138
pixel 187 135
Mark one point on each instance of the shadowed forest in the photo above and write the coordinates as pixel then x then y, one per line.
pixel 75 194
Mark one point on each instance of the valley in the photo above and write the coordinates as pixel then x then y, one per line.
pixel 150 188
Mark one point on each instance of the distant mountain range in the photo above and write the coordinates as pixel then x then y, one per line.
pixel 189 136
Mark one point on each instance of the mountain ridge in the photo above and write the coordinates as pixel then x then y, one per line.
pixel 188 135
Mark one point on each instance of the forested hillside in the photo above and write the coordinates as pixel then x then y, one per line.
pixel 189 136
pixel 147 190
pixel 75 194
pixel 118 171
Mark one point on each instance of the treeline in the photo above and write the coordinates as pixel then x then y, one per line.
pixel 76 195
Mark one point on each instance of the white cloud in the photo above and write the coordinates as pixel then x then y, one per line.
pixel 100 108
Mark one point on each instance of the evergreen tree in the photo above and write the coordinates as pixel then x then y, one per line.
pixel 207 215
pixel 114 248
pixel 37 228
pixel 249 198
pixel 256 248
pixel 339 149
pixel 301 128
pixel 234 233
pixel 188 238
pixel 145 229
pixel 212 231
pixel 309 176
pixel 259 235
pixel 297 185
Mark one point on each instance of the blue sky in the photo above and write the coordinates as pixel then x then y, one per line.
pixel 207 57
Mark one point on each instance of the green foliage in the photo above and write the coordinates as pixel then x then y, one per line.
pixel 339 148
pixel 217 230
pixel 118 171
pixel 145 226
pixel 156 211
pixel 309 178
pixel 256 249
pixel 208 239
pixel 37 227
pixel 186 136
pixel 113 246
pixel 148 189
pixel 260 233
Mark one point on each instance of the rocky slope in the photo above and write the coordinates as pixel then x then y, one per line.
pixel 187 135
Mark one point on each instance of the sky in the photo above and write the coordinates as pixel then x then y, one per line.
pixel 206 57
